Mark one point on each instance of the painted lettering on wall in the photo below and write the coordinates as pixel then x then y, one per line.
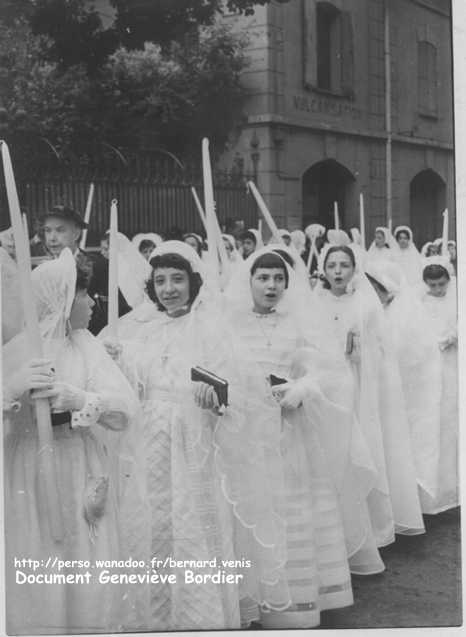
pixel 325 105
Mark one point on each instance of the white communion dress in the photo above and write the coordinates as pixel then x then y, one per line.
pixel 394 502
pixel 185 516
pixel 86 495
pixel 442 312
pixel 316 565
pixel 413 339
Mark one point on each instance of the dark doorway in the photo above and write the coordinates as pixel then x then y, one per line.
pixel 323 184
pixel 427 194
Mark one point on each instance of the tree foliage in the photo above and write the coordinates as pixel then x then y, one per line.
pixel 75 32
pixel 166 73
pixel 174 97
pixel 39 100
pixel 162 21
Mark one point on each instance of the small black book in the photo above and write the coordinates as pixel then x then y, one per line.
pixel 276 380
pixel 220 385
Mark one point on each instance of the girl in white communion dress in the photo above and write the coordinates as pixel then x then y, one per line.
pixel 356 313
pixel 275 347
pixel 88 391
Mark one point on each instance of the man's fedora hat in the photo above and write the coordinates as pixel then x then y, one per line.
pixel 64 212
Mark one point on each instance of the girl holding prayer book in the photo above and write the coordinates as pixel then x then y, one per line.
pixel 290 402
pixel 186 515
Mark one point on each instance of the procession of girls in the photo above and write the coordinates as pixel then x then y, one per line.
pixel 339 432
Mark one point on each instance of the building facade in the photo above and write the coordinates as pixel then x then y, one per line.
pixel 326 122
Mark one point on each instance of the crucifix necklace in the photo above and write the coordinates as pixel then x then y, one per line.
pixel 272 324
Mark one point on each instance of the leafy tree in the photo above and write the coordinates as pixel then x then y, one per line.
pixel 65 78
pixel 13 10
pixel 174 97
pixel 76 33
pixel 38 100
pixel 161 21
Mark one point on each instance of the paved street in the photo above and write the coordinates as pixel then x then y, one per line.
pixel 420 587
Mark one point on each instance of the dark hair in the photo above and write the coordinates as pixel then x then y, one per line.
pixel 198 243
pixel 346 250
pixel 247 234
pixel 82 279
pixel 270 260
pixel 173 260
pixel 400 232
pixel 434 272
pixel 145 244
pixel 379 231
pixel 285 256
pixel 376 284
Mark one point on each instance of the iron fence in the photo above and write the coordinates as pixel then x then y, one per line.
pixel 153 193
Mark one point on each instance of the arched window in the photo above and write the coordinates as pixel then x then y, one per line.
pixel 427 78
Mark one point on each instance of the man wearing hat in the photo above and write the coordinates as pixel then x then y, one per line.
pixel 62 228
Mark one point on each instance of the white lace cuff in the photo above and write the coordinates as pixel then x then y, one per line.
pixel 90 413
pixel 10 404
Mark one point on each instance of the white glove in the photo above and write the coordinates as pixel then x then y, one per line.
pixel 35 374
pixel 294 392
pixel 113 348
pixel 63 397
pixel 446 343
pixel 205 396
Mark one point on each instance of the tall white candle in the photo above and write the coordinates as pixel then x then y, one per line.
pixel 41 406
pixel 113 271
pixel 445 234
pixel 362 221
pixel 335 215
pixel 87 215
pixel 265 212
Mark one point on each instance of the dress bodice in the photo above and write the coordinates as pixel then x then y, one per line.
pixel 442 313
pixel 270 341
pixel 342 314
pixel 166 358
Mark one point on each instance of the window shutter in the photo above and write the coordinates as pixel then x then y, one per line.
pixel 427 78
pixel 347 54
pixel 432 79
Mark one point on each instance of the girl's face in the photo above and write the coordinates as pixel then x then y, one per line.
pixel 191 241
pixel 403 240
pixel 81 310
pixel 248 247
pixel 267 287
pixel 379 239
pixel 339 271
pixel 438 287
pixel 146 252
pixel 452 251
pixel 431 251
pixel 171 287
pixel 104 248
pixel 228 246
pixel 287 239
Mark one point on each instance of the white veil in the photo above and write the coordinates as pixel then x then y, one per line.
pixel 298 240
pixel 12 306
pixel 409 258
pixel 54 286
pixel 385 251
